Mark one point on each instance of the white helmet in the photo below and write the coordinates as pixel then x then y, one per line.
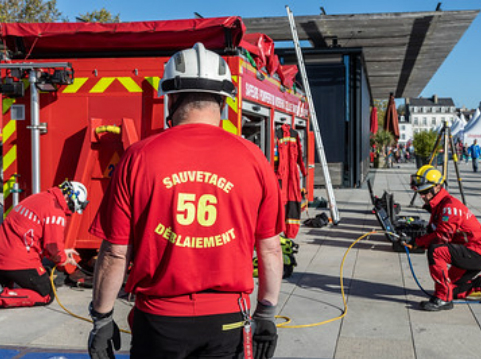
pixel 197 70
pixel 77 194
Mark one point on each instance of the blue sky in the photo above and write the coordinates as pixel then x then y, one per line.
pixel 458 77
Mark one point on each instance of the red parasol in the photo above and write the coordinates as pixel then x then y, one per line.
pixel 374 122
pixel 391 120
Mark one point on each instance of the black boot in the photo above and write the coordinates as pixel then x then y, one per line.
pixel 434 304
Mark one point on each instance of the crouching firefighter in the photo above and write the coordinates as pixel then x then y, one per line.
pixel 34 229
pixel 188 218
pixel 453 241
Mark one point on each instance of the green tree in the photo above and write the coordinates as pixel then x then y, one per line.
pixel 424 142
pixel 382 139
pixel 29 11
pixel 101 15
pixel 381 106
pixel 401 110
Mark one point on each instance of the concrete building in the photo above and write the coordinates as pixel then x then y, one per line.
pixel 423 114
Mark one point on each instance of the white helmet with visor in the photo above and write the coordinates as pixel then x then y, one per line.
pixel 197 70
pixel 77 195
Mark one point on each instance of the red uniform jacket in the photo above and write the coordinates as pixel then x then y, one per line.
pixel 451 222
pixel 290 162
pixel 33 229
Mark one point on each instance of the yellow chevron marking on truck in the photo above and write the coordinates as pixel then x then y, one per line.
pixel 7 187
pixel 154 82
pixel 9 129
pixel 7 212
pixel 10 157
pixel 77 84
pixel 229 126
pixel 129 84
pixel 233 102
pixel 7 103
pixel 102 85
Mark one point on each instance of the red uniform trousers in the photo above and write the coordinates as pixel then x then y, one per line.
pixel 460 279
pixel 454 242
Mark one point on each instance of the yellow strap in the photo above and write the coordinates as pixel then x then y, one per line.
pixel 232 326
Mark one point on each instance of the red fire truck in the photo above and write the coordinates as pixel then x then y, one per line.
pixel 75 95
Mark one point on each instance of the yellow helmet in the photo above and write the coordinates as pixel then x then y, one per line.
pixel 425 178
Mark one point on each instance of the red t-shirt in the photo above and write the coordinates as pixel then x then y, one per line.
pixel 192 201
pixel 33 229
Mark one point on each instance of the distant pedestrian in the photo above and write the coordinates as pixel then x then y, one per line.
pixel 390 157
pixel 475 152
pixel 459 149
pixel 466 154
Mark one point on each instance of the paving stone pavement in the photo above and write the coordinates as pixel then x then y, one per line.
pixel 382 320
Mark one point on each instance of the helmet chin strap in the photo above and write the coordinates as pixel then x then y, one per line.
pixel 175 106
pixel 71 205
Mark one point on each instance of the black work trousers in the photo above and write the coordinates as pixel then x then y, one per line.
pixel 212 336
pixel 28 279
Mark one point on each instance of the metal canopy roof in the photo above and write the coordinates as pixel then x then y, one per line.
pixel 402 51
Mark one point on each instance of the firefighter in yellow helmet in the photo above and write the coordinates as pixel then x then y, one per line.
pixel 453 241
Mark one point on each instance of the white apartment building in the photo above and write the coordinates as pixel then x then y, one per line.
pixel 405 130
pixel 423 114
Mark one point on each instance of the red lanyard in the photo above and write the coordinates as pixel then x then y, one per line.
pixel 247 329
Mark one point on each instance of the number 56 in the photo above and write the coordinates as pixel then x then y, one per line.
pixel 204 210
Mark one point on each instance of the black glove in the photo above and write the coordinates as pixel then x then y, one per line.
pixel 103 335
pixel 264 337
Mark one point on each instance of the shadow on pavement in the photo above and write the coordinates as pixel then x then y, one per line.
pixel 355 287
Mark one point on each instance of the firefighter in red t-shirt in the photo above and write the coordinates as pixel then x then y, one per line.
pixel 453 242
pixel 32 230
pixel 187 207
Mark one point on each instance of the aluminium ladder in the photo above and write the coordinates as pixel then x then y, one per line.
pixel 320 147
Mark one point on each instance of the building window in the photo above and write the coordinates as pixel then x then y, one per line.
pixel 403 136
pixel 433 121
pixel 415 109
pixel 425 109
pixel 425 121
pixel 415 121
pixel 443 109
pixel 403 128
